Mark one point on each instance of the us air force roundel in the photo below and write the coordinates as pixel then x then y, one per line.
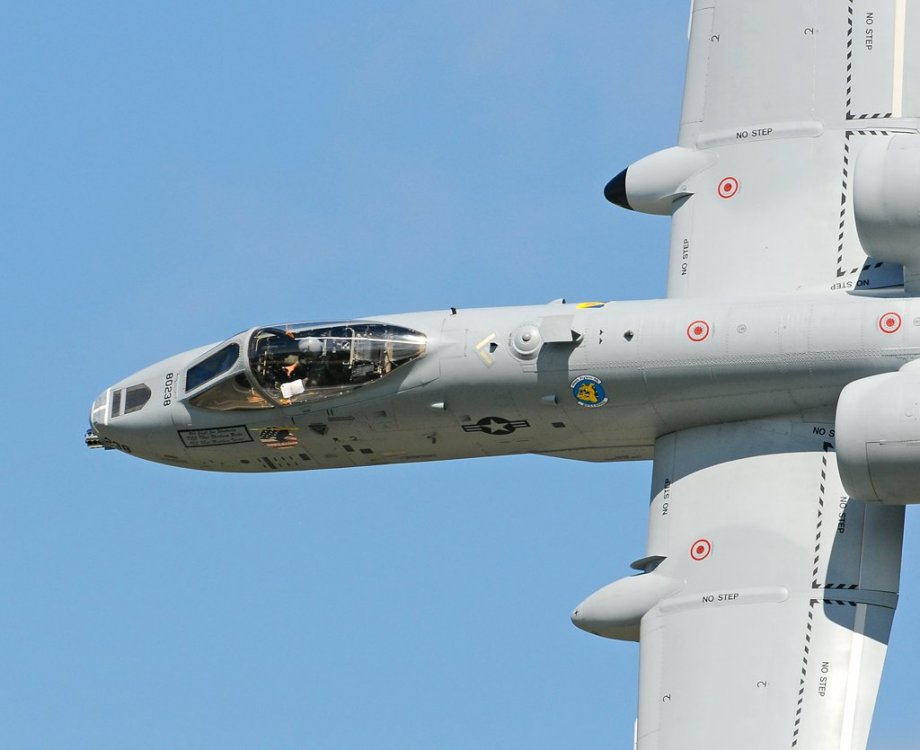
pixel 589 391
pixel 496 425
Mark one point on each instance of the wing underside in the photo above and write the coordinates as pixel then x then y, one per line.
pixel 784 97
pixel 784 590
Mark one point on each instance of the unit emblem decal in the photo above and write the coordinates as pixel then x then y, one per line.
pixel 496 425
pixel 589 391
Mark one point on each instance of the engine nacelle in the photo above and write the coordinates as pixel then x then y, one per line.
pixel 886 199
pixel 654 183
pixel 878 438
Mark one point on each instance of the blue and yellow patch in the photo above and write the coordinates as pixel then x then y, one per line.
pixel 589 391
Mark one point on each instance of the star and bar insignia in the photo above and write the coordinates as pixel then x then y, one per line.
pixel 496 425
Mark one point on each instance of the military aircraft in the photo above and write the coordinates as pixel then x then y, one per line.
pixel 776 389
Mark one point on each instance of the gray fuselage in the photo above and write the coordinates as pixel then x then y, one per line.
pixel 596 382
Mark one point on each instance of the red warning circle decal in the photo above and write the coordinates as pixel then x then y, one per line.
pixel 729 187
pixel 698 330
pixel 889 322
pixel 700 549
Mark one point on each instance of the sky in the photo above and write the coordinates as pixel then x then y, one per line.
pixel 173 173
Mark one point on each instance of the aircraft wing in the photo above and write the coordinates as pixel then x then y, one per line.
pixel 781 98
pixel 781 593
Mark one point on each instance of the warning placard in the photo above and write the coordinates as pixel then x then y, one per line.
pixel 215 436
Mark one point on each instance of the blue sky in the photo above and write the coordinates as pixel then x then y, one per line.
pixel 173 174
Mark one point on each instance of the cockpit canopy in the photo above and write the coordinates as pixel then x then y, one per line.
pixel 307 362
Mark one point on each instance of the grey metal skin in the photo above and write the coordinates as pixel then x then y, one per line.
pixel 662 365
pixel 783 421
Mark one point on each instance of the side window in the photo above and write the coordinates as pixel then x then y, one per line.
pixel 231 395
pixel 217 363
pixel 135 397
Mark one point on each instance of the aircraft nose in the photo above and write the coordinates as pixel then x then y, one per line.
pixel 97 418
pixel 113 415
pixel 98 409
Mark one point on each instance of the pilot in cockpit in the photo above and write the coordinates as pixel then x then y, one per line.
pixel 293 367
pixel 306 364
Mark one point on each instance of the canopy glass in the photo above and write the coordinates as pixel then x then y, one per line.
pixel 302 363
